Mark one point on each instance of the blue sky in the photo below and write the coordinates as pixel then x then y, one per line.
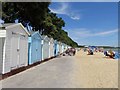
pixel 89 23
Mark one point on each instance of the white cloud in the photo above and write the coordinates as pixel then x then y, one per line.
pixel 106 33
pixel 82 32
pixel 64 9
pixel 85 36
pixel 77 17
pixel 60 10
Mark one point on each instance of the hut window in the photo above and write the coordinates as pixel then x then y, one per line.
pixel 18 34
pixel 13 33
pixel 23 35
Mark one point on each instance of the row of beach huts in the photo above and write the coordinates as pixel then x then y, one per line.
pixel 19 47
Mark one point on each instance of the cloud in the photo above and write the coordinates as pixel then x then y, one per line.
pixel 83 32
pixel 65 10
pixel 106 33
pixel 85 36
pixel 60 10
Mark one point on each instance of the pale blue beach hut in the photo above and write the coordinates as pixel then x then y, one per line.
pixel 34 48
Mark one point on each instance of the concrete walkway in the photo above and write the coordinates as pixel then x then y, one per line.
pixel 56 73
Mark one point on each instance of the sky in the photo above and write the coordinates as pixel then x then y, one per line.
pixel 89 23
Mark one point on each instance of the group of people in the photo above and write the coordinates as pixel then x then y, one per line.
pixel 110 54
pixel 70 52
pixel 90 51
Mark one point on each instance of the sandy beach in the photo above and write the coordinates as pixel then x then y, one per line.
pixel 96 71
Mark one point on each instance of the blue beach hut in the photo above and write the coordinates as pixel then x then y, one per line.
pixel 56 48
pixel 34 48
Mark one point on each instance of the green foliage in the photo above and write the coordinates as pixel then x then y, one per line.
pixel 38 16
pixel 53 28
pixel 31 13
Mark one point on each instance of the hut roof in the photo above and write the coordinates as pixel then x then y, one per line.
pixel 12 25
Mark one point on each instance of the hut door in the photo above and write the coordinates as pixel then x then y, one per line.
pixel 36 49
pixel 44 50
pixel 55 49
pixel 22 53
pixel 14 51
pixel 1 55
pixel 2 40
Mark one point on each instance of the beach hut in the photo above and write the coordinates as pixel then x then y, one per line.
pixel 34 47
pixel 45 46
pixel 63 47
pixel 56 48
pixel 51 47
pixel 13 47
pixel 60 47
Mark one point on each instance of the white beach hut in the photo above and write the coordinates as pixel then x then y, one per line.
pixel 63 47
pixel 51 47
pixel 60 47
pixel 13 47
pixel 45 47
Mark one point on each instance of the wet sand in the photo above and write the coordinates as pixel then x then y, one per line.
pixel 96 71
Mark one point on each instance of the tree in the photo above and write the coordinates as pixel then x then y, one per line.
pixel 28 13
pixel 52 24
pixel 53 28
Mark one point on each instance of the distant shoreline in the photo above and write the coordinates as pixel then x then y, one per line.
pixel 101 47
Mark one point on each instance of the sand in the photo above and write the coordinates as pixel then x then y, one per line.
pixel 95 71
